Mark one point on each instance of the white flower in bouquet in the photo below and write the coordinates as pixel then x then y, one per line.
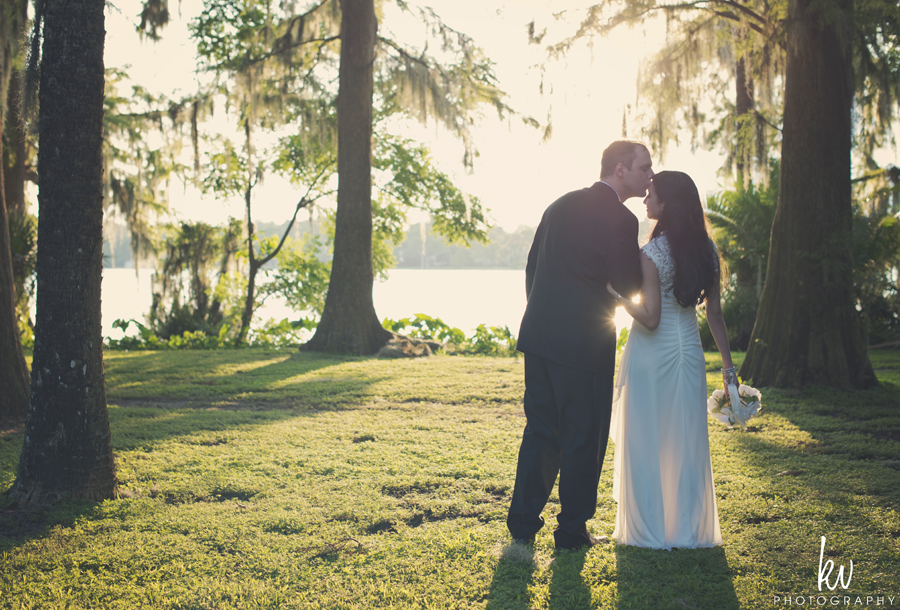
pixel 735 407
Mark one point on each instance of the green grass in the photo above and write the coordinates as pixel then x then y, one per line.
pixel 269 479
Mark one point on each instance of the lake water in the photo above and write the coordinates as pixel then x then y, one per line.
pixel 462 298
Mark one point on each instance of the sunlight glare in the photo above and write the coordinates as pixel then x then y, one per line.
pixel 622 319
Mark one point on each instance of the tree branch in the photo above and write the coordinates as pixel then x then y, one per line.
pixel 733 17
pixel 735 5
pixel 255 60
pixel 403 52
pixel 304 202
pixel 873 175
pixel 315 63
pixel 762 118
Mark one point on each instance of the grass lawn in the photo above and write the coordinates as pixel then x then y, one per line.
pixel 271 479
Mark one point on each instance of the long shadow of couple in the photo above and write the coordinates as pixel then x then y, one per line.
pixel 681 579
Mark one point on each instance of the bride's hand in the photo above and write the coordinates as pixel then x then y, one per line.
pixel 612 291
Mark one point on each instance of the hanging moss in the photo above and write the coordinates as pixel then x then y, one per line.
pixel 189 283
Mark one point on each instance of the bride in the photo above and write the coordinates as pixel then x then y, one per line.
pixel 662 478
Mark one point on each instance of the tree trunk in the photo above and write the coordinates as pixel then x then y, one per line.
pixel 743 103
pixel 13 369
pixel 349 322
pixel 807 329
pixel 247 314
pixel 67 448
pixel 14 156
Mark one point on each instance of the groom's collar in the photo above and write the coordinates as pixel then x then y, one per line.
pixel 614 190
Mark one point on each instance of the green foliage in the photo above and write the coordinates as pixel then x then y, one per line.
pixel 26 332
pixel 876 253
pixel 491 341
pixel 230 35
pixel 226 169
pixel 136 172
pixel 485 341
pixel 23 248
pixel 254 48
pixel 742 222
pixel 310 156
pixel 414 182
pixel 421 326
pixel 622 340
pixel 719 75
pixel 385 231
pixel 198 340
pixel 282 333
pixel 193 287
pixel 687 89
pixel 260 479
pixel 274 333
pixel 301 278
pixel 148 340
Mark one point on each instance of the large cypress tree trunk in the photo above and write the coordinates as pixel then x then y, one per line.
pixel 67 447
pixel 349 322
pixel 807 330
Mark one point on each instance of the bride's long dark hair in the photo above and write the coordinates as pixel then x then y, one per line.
pixel 687 229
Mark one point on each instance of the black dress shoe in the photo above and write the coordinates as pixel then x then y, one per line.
pixel 584 544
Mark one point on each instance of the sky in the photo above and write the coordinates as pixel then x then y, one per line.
pixel 516 175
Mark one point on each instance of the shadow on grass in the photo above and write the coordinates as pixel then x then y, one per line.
pixel 567 587
pixel 514 574
pixel 850 448
pixel 682 579
pixel 854 425
pixel 224 377
pixel 221 402
pixel 20 526
pixel 147 421
pixel 819 462
pixel 142 424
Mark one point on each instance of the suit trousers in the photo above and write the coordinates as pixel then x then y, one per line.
pixel 567 412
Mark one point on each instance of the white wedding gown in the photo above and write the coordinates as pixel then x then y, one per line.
pixel 662 478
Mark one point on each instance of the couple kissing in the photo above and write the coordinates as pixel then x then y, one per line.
pixel 584 262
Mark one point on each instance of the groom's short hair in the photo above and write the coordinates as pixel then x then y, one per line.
pixel 620 151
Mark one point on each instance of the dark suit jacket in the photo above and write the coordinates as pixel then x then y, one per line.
pixel 585 239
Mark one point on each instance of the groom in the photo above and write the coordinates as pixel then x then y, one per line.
pixel 568 336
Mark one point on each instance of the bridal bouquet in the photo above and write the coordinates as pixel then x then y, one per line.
pixel 735 407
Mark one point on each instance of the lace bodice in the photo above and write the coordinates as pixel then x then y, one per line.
pixel 658 251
